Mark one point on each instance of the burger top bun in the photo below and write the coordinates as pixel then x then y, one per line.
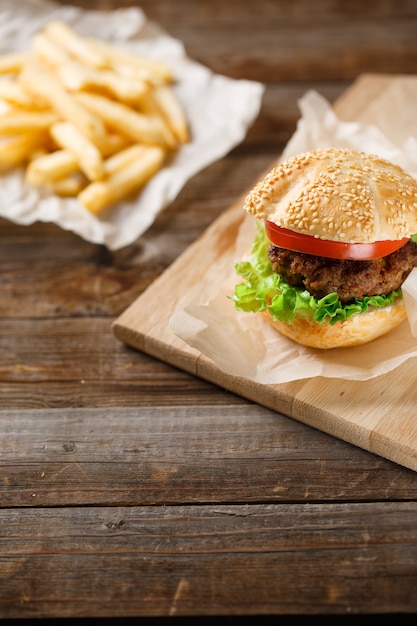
pixel 340 195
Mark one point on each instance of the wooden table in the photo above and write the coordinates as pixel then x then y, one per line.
pixel 129 488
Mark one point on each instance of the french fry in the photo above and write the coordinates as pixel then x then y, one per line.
pixel 15 94
pixel 48 51
pixel 17 121
pixel 77 77
pixel 13 62
pixel 150 108
pixel 69 186
pixel 99 195
pixel 15 151
pixel 113 142
pixel 123 158
pixel 122 118
pixel 88 156
pixel 138 73
pixel 172 111
pixel 5 107
pixel 40 82
pixel 63 36
pixel 156 72
pixel 37 152
pixel 51 167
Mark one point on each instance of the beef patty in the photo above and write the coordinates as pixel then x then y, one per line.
pixel 350 279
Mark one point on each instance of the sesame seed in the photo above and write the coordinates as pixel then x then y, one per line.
pixel 342 197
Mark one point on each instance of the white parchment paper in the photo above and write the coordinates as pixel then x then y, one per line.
pixel 219 110
pixel 243 344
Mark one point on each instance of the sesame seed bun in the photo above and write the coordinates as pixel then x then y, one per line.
pixel 342 196
pixel 354 331
pixel 338 195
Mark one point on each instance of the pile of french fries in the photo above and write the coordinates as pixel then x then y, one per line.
pixel 85 118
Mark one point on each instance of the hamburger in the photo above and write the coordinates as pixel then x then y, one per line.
pixel 336 239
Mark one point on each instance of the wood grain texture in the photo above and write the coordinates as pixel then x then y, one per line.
pixel 291 40
pixel 180 455
pixel 130 488
pixel 209 560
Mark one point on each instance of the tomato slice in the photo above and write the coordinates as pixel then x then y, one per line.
pixel 298 242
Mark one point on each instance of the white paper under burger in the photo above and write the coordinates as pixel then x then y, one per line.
pixel 219 111
pixel 243 344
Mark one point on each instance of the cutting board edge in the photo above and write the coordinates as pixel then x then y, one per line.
pixel 276 398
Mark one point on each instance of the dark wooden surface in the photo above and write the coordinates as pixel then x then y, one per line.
pixel 131 489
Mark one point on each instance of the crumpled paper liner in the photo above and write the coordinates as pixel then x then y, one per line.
pixel 243 344
pixel 219 110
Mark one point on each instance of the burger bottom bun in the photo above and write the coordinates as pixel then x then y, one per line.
pixel 354 331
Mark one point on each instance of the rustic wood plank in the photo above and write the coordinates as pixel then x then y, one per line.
pixel 296 41
pixel 164 455
pixel 267 516
pixel 76 362
pixel 208 560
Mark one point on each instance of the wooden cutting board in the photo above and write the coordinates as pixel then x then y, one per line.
pixel 378 415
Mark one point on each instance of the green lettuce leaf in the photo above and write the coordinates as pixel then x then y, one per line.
pixel 263 290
